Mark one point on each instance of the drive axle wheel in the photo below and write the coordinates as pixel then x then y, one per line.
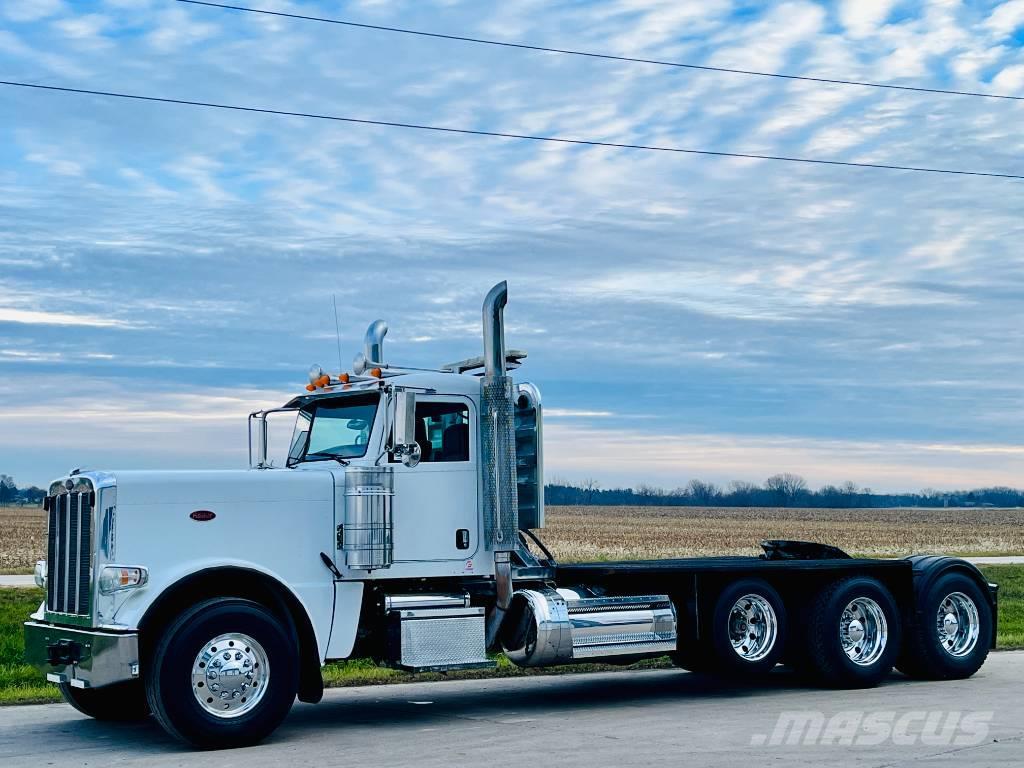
pixel 119 702
pixel 224 674
pixel 952 635
pixel 748 629
pixel 853 634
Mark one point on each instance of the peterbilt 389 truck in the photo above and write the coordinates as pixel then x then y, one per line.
pixel 402 528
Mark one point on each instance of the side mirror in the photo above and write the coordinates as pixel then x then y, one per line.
pixel 403 432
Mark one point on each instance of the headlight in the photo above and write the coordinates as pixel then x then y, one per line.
pixel 40 573
pixel 114 578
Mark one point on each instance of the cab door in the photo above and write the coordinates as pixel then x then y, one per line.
pixel 436 514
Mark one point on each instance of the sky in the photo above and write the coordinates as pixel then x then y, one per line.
pixel 164 270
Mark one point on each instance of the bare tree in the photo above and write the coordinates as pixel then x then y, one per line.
pixel 702 492
pixel 590 488
pixel 786 487
pixel 8 490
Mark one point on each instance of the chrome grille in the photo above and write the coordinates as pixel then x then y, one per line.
pixel 69 553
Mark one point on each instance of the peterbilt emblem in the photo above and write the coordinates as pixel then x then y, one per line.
pixel 202 515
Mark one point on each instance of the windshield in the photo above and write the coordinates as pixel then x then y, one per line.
pixel 337 428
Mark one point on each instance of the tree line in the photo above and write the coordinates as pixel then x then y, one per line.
pixel 783 490
pixel 11 494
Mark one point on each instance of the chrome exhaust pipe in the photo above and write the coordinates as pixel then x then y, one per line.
pixel 494 331
pixel 373 343
pixel 498 457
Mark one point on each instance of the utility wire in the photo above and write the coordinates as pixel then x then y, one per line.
pixel 500 134
pixel 606 56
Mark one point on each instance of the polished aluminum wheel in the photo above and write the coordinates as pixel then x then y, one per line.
pixel 863 631
pixel 753 627
pixel 230 675
pixel 958 624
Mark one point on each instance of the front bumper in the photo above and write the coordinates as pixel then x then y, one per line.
pixel 84 658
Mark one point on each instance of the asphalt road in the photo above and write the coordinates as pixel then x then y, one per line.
pixel 656 718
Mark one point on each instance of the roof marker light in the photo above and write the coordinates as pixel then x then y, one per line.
pixel 376 373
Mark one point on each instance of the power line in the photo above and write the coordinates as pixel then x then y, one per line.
pixel 501 134
pixel 606 56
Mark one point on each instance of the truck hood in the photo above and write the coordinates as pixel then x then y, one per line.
pixel 143 487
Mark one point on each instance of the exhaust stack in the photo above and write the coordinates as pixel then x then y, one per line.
pixel 373 344
pixel 494 331
pixel 497 431
pixel 498 456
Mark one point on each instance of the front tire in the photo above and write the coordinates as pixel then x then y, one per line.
pixel 853 634
pixel 951 640
pixel 121 702
pixel 224 674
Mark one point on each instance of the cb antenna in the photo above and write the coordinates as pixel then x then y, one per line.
pixel 337 330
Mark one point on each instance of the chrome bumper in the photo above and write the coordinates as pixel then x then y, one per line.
pixel 83 658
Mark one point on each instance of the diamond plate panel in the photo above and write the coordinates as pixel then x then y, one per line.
pixel 453 639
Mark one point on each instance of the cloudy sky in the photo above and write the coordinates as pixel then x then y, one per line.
pixel 166 269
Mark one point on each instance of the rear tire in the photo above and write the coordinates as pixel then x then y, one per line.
pixel 748 631
pixel 853 634
pixel 224 674
pixel 121 702
pixel 951 637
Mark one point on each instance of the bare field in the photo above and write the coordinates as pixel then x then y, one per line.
pixel 22 537
pixel 610 533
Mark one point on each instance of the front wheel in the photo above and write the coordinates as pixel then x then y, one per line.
pixel 224 674
pixel 122 702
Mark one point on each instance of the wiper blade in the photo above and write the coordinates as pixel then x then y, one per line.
pixel 325 457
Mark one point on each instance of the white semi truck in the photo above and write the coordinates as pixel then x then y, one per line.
pixel 402 529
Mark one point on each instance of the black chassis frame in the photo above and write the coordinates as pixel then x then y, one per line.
pixel 693 583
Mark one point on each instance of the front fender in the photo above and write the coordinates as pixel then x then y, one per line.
pixel 315 598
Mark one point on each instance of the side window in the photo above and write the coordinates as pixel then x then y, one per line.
pixel 442 431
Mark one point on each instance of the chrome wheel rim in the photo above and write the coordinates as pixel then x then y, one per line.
pixel 863 631
pixel 753 627
pixel 230 675
pixel 957 624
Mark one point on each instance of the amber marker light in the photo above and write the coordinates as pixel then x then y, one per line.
pixel 376 373
pixel 310 388
pixel 343 378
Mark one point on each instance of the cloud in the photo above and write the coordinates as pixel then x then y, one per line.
pixel 36 317
pixel 1006 18
pixel 863 17
pixel 19 11
pixel 575 413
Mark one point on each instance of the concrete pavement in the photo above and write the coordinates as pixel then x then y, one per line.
pixel 654 718
pixel 17 581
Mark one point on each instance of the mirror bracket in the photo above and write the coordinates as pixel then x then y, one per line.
pixel 403 431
